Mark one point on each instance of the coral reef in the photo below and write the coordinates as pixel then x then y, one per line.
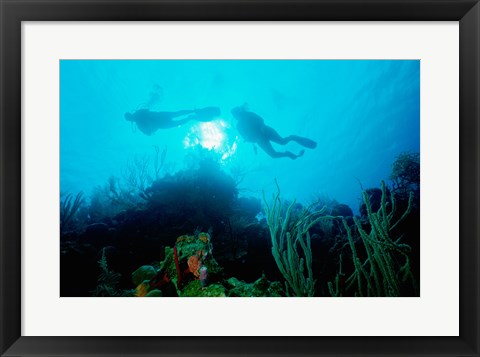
pixel 142 289
pixel 154 293
pixel 195 289
pixel 288 231
pixel 107 280
pixel 188 261
pixel 386 267
pixel 260 288
pixel 145 272
pixel 405 174
pixel 314 250
pixel 203 196
pixel 68 209
pixel 189 265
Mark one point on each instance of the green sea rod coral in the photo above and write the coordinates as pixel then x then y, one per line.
pixel 387 264
pixel 291 246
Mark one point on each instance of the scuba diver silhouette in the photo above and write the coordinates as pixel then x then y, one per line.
pixel 253 129
pixel 149 122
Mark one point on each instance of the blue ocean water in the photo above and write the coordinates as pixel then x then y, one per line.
pixel 361 113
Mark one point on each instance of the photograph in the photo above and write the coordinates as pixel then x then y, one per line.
pixel 254 163
pixel 239 178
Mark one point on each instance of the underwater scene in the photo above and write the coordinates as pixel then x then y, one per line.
pixel 239 178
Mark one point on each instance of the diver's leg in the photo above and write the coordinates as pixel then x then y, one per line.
pixel 205 114
pixel 182 121
pixel 180 113
pixel 305 142
pixel 164 120
pixel 267 147
pixel 272 135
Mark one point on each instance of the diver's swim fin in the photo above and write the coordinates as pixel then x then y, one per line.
pixel 206 114
pixel 305 142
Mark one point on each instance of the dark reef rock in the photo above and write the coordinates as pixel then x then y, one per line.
pixel 341 209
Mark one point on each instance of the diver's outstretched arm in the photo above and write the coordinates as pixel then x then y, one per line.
pixel 267 147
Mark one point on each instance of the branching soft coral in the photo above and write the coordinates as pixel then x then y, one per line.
pixel 107 280
pixel 288 232
pixel 386 268
pixel 69 208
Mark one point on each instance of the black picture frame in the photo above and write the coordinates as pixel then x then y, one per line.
pixel 13 12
